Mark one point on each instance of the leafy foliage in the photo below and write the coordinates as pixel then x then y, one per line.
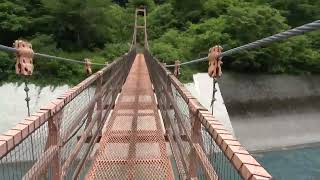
pixel 102 30
pixel 232 23
pixel 148 4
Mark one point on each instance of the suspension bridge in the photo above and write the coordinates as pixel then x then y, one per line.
pixel 132 119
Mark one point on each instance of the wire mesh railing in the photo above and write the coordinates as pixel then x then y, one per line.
pixel 56 142
pixel 201 145
pixel 223 167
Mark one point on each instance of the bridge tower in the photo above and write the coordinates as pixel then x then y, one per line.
pixel 140 11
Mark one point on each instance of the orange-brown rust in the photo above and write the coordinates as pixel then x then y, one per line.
pixel 241 159
pixel 133 146
pixel 88 66
pixel 194 106
pixel 215 62
pixel 46 112
pixel 24 55
pixel 15 134
pixel 53 139
pixel 196 139
pixel 23 129
pixel 3 148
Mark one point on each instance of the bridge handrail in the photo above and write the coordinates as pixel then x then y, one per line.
pixel 205 132
pixel 62 127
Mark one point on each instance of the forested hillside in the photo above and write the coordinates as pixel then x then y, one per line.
pixel 177 29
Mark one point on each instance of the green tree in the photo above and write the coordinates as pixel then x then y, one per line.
pixel 297 12
pixel 160 20
pixel 249 22
pixel 14 21
pixel 102 30
pixel 121 24
pixel 214 8
pixel 80 24
pixel 188 10
pixel 149 4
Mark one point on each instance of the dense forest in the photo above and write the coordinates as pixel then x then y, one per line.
pixel 177 29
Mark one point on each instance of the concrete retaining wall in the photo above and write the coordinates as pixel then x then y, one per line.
pixel 270 111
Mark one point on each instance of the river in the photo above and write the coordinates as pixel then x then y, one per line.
pixel 277 118
pixel 292 164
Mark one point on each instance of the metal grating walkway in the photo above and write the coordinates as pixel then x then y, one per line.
pixel 133 146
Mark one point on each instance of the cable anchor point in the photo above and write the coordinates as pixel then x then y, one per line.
pixel 87 66
pixel 177 68
pixel 215 61
pixel 214 69
pixel 24 55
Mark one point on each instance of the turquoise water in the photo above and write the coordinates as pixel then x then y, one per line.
pixel 15 171
pixel 298 164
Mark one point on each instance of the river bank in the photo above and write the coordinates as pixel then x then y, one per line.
pixel 275 117
pixel 13 105
pixel 273 112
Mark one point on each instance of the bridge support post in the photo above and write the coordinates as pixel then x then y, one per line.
pixel 196 137
pixel 99 101
pixel 52 140
pixel 168 104
pixel 98 97
pixel 113 90
pixel 144 27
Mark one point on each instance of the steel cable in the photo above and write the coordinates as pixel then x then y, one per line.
pixel 8 49
pixel 262 42
pixel 50 57
pixel 63 59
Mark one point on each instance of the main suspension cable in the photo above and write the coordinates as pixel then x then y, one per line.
pixel 265 41
pixel 50 57
pixel 64 59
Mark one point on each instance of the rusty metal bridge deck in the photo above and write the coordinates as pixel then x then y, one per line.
pixel 57 141
pixel 133 145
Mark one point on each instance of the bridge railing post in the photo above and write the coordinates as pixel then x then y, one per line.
pixel 54 140
pixel 167 101
pixel 60 129
pixel 196 137
pixel 88 128
pixel 106 87
pixel 191 126
pixel 173 131
pixel 99 100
